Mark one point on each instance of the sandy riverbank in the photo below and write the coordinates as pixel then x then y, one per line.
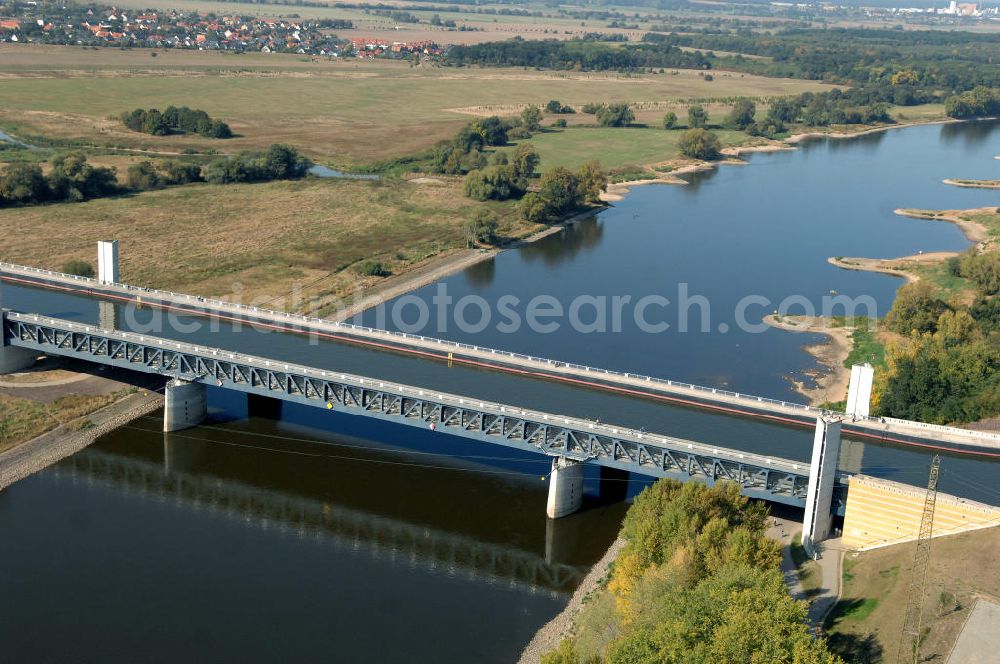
pixel 618 190
pixel 974 231
pixel 433 270
pixel 798 138
pixel 740 150
pixel 896 267
pixel 832 381
pixel 554 631
pixel 973 184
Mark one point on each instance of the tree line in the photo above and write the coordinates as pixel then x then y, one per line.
pixel 980 102
pixel 584 54
pixel 944 366
pixel 698 582
pixel 912 61
pixel 882 66
pixel 175 120
pixel 72 178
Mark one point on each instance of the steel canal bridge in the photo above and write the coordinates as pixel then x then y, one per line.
pixel 569 439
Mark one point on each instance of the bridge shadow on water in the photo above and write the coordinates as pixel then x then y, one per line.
pixel 417 498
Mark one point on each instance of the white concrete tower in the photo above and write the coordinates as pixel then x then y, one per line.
pixel 107 261
pixel 823 470
pixel 859 394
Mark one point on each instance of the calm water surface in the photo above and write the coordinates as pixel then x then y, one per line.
pixel 304 539
pixel 765 229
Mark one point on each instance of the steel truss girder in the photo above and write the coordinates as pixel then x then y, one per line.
pixel 774 479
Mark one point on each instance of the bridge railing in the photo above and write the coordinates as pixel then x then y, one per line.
pixel 747 399
pixel 491 407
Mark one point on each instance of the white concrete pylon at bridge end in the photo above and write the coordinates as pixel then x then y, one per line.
pixel 818 516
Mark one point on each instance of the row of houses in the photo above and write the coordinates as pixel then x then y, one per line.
pixel 367 47
pixel 111 26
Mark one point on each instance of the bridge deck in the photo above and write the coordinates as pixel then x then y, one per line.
pixel 652 454
pixel 886 429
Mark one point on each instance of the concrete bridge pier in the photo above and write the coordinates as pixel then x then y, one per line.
pixel 13 358
pixel 565 488
pixel 185 405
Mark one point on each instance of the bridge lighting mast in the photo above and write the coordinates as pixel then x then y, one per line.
pixel 909 641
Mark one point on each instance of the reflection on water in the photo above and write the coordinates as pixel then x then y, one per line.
pixel 580 237
pixel 696 179
pixel 482 273
pixel 967 132
pixel 346 549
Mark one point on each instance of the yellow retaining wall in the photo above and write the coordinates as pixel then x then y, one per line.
pixel 880 512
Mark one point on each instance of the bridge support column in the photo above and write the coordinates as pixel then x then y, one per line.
pixel 14 358
pixel 184 405
pixel 565 488
pixel 819 499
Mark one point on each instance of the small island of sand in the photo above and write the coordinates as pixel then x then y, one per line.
pixel 973 184
pixel 830 382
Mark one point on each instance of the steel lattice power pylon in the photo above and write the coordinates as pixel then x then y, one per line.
pixel 909 642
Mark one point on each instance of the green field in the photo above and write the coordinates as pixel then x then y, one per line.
pixel 348 112
pixel 614 147
pixel 253 240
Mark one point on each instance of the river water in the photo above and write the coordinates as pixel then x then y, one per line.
pixel 318 536
pixel 763 230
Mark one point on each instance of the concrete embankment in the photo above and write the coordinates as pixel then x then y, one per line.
pixel 50 448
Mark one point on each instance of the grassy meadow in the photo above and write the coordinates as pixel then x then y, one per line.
pixel 262 239
pixel 254 241
pixel 865 625
pixel 614 148
pixel 345 113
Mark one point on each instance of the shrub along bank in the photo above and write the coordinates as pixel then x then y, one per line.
pixel 697 582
